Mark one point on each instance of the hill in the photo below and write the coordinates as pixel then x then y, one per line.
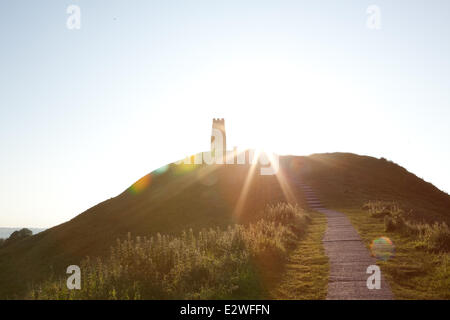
pixel 180 197
pixel 347 180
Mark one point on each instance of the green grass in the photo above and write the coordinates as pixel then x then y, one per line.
pixel 307 269
pixel 414 272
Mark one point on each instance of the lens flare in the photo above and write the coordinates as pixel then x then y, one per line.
pixel 161 170
pixel 141 184
pixel 382 248
pixel 185 165
pixel 181 169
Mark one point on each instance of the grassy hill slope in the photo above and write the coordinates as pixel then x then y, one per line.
pixel 180 198
pixel 345 180
pixel 177 198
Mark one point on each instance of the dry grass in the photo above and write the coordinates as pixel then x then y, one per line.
pixel 433 237
pixel 417 270
pixel 212 264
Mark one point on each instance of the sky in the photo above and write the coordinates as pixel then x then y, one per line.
pixel 86 112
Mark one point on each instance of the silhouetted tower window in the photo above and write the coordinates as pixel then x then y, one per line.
pixel 219 138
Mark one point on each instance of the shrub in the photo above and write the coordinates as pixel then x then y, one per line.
pixel 437 237
pixel 18 235
pixel 288 215
pixel 394 222
pixel 378 209
pixel 389 224
pixel 212 264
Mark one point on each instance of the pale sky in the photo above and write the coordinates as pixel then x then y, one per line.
pixel 85 113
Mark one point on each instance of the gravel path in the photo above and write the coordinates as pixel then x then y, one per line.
pixel 348 257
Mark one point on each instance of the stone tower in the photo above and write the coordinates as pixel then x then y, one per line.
pixel 219 139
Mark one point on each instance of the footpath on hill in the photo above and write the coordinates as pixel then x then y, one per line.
pixel 349 259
